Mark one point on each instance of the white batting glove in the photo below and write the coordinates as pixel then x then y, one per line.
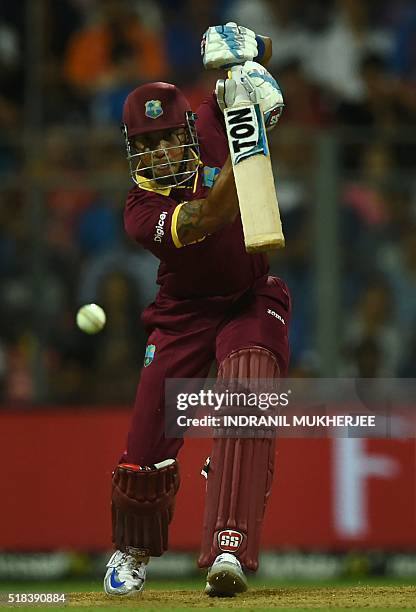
pixel 250 84
pixel 268 92
pixel 237 90
pixel 223 46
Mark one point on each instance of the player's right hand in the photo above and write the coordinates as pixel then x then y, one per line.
pixel 223 46
pixel 249 84
pixel 237 90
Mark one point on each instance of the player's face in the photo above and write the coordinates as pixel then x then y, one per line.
pixel 162 150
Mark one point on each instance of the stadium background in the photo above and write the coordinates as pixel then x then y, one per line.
pixel 344 156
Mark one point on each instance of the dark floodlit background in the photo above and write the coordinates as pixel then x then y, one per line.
pixel 344 155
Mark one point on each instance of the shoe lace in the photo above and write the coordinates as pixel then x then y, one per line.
pixel 133 564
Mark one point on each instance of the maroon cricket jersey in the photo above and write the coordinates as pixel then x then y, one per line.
pixel 218 265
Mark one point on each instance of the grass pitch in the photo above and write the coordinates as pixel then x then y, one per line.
pixel 294 598
pixel 262 595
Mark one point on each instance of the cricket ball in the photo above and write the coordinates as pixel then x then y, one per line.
pixel 91 318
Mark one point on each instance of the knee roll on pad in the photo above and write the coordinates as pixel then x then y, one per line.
pixel 142 506
pixel 240 475
pixel 249 363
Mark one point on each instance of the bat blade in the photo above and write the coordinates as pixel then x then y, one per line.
pixel 254 179
pixel 258 204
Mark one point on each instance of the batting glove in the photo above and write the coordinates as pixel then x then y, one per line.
pixel 237 90
pixel 250 84
pixel 223 46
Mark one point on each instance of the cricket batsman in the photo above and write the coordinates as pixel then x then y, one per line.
pixel 215 302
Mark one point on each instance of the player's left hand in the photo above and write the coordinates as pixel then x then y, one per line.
pixel 223 46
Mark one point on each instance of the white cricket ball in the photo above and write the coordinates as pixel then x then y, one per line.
pixel 91 318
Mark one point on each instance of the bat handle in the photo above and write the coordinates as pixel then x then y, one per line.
pixel 265 50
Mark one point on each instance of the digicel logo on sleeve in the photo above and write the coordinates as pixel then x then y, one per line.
pixel 159 227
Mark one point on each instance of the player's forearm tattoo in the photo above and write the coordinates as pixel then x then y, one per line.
pixel 192 221
pixel 198 218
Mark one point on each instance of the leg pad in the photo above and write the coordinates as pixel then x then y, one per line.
pixel 143 501
pixel 240 475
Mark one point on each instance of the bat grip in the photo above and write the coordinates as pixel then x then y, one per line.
pixel 264 47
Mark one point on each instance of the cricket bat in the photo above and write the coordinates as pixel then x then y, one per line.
pixel 250 157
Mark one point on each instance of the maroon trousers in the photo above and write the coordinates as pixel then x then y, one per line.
pixel 188 346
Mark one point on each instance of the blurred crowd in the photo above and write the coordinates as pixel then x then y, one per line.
pixel 346 67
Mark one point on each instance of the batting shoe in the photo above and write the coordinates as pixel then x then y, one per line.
pixel 126 574
pixel 225 577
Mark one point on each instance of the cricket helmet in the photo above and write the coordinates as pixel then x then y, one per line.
pixel 156 107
